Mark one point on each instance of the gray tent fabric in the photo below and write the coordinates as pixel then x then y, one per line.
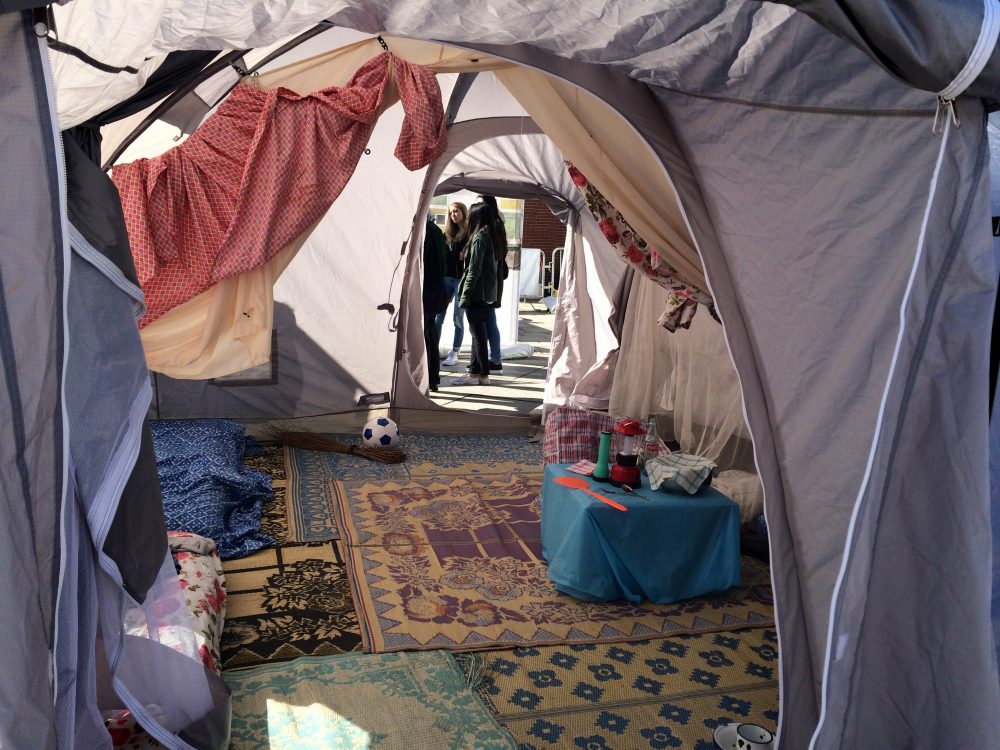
pixel 844 240
pixel 107 398
pixel 137 538
pixel 993 132
pixel 812 432
pixel 995 515
pixel 33 260
pixel 925 44
pixel 932 428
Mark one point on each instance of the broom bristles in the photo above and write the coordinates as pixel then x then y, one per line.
pixel 313 441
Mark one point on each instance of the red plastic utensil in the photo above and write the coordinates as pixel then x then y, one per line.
pixel 579 483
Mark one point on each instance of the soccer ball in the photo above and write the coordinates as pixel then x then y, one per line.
pixel 380 431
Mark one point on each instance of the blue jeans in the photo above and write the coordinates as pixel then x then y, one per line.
pixel 451 287
pixel 493 334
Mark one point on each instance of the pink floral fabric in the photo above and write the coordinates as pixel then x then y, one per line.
pixel 258 172
pixel 203 583
pixel 126 734
pixel 683 299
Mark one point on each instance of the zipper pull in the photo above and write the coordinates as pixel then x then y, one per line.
pixel 944 105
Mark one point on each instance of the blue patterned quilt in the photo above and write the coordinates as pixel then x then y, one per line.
pixel 206 489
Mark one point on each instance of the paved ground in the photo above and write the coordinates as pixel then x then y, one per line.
pixel 520 387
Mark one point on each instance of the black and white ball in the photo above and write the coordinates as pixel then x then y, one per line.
pixel 380 431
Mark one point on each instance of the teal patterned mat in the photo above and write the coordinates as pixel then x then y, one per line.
pixel 309 472
pixel 388 701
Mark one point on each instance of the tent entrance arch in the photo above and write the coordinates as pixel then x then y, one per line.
pixel 856 330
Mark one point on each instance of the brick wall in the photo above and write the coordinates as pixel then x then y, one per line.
pixel 541 228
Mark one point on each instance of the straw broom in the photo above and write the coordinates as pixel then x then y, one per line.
pixel 313 441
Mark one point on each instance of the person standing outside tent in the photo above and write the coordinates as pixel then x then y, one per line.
pixel 477 291
pixel 456 231
pixel 434 296
pixel 499 237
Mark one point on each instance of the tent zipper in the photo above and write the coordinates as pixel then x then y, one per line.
pixel 945 109
pixel 989 31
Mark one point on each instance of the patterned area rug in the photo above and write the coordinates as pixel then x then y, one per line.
pixel 457 564
pixel 389 701
pixel 666 693
pixel 310 513
pixel 289 601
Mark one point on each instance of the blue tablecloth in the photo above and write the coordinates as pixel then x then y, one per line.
pixel 666 547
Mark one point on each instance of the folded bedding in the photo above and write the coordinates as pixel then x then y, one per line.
pixel 206 488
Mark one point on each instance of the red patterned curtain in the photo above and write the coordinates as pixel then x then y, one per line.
pixel 258 172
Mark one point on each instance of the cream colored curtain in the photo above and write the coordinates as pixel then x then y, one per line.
pixel 687 376
pixel 223 330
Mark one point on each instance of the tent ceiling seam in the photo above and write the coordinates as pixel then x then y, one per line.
pixel 916 113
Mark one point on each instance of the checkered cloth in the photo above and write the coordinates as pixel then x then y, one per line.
pixel 677 472
pixel 573 435
pixel 583 467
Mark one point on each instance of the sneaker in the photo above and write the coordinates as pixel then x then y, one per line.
pixel 484 379
pixel 468 379
pixel 451 359
pixel 496 367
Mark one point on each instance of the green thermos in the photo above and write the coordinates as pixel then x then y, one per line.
pixel 603 457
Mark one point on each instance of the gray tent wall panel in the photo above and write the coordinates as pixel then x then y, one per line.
pixel 995 514
pixel 680 43
pixel 110 397
pixel 136 539
pixel 916 565
pixel 993 131
pixel 911 40
pixel 33 264
pixel 820 392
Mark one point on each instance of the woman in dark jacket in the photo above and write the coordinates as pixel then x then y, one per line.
pixel 477 291
pixel 499 237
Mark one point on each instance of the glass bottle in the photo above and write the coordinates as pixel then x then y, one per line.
pixel 651 447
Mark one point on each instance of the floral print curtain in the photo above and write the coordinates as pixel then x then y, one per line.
pixel 683 299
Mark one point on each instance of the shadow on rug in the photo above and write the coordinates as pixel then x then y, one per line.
pixel 666 693
pixel 310 513
pixel 390 701
pixel 288 601
pixel 457 564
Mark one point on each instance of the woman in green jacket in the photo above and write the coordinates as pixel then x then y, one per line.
pixel 477 291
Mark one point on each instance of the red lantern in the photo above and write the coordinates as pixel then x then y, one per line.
pixel 625 469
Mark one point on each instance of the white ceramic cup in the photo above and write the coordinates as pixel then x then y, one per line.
pixel 753 737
